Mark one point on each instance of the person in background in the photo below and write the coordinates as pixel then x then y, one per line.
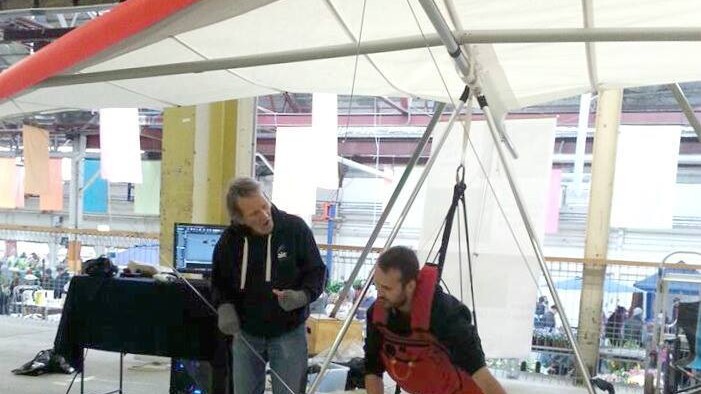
pixel 541 306
pixel 14 282
pixel 318 307
pixel 366 303
pixel 46 280
pixel 614 326
pixel 62 278
pixel 549 318
pixel 4 299
pixel 633 327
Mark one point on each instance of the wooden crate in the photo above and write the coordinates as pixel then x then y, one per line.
pixel 322 331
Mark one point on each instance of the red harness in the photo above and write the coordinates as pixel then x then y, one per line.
pixel 418 362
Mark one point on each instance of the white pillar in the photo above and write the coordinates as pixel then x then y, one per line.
pixel 596 246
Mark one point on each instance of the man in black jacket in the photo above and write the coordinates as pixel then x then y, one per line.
pixel 267 269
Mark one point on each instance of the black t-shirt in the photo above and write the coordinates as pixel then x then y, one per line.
pixel 451 325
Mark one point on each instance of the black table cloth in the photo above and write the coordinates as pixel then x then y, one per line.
pixel 141 316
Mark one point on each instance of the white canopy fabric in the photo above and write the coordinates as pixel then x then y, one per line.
pixel 514 74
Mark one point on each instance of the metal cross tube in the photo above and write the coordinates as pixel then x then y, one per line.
pixel 503 36
pixel 449 40
pixel 241 336
pixel 686 108
pixel 390 204
pixel 390 239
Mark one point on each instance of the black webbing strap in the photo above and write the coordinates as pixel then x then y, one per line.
pixel 458 195
pixel 458 198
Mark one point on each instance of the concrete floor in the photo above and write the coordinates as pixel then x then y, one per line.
pixel 22 339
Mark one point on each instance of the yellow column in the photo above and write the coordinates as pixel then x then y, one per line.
pixel 598 218
pixel 178 146
pixel 215 161
pixel 199 158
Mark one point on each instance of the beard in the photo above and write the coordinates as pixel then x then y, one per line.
pixel 398 303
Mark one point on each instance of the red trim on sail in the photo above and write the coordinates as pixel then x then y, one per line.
pixel 123 21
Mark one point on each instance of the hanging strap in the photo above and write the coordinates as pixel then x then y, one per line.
pixel 458 198
pixel 466 126
pixel 458 194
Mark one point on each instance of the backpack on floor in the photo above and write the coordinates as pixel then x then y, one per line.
pixel 46 361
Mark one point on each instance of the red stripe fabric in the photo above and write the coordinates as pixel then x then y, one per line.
pixel 123 21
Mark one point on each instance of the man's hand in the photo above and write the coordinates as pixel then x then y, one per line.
pixel 228 321
pixel 486 381
pixel 290 300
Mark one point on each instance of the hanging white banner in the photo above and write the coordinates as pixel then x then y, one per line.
pixel 325 143
pixel 120 145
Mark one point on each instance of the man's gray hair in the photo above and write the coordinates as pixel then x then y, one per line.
pixel 238 188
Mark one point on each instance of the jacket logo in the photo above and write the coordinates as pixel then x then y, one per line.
pixel 281 252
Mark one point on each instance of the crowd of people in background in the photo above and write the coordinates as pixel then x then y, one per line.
pixel 546 317
pixel 622 326
pixel 326 302
pixel 28 272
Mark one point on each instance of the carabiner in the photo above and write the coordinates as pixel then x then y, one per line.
pixel 460 174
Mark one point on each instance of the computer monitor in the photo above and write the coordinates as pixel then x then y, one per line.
pixel 193 246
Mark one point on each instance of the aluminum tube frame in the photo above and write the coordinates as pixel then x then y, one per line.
pixel 501 36
pixel 447 38
pixel 390 239
pixel 77 184
pixel 427 169
pixel 440 24
pixel 23 12
pixel 686 108
pixel 580 147
pixel 242 337
pixel 588 14
pixel 390 204
pixel 660 300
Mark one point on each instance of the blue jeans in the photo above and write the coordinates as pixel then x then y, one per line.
pixel 287 355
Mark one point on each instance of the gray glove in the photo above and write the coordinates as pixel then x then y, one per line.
pixel 228 319
pixel 290 300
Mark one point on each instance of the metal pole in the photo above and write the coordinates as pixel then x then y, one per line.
pixel 121 372
pixel 390 204
pixel 330 228
pixel 390 239
pixel 440 25
pixel 75 208
pixel 424 174
pixel 580 147
pixel 660 317
pixel 686 108
pixel 381 46
pixel 241 336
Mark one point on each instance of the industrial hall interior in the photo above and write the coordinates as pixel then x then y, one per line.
pixel 335 196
